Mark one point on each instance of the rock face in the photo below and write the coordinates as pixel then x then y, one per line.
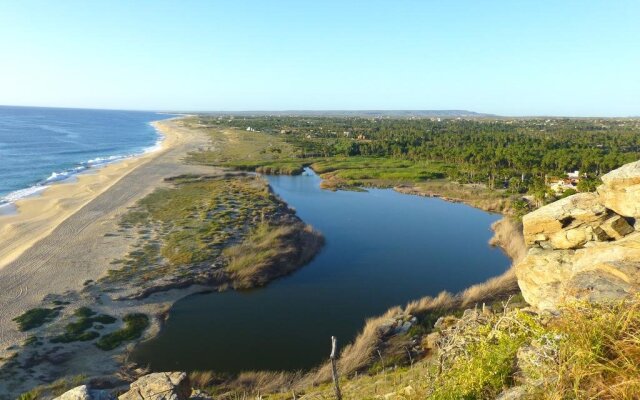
pixel 584 247
pixel 159 386
pixel 568 223
pixel 621 190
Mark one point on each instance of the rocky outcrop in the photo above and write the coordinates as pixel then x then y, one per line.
pixel 155 386
pixel 568 223
pixel 160 386
pixel 584 247
pixel 621 190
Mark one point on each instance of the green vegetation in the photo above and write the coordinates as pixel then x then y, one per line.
pixel 249 151
pixel 345 172
pixel 77 331
pixel 192 222
pixel 35 317
pixel 135 324
pixel 507 154
pixel 32 341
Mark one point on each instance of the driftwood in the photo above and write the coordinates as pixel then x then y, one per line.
pixel 334 368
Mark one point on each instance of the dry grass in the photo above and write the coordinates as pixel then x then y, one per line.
pixel 356 356
pixel 271 250
pixel 587 352
pixel 508 236
pixel 256 251
pixel 599 352
pixel 475 195
pixel 203 379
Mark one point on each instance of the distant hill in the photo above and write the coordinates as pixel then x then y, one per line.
pixel 360 113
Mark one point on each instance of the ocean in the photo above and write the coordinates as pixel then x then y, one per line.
pixel 41 146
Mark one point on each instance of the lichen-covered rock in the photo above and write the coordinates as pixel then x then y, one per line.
pixel 159 386
pixel 584 247
pixel 567 223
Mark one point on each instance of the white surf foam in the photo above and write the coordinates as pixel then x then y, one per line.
pixel 59 176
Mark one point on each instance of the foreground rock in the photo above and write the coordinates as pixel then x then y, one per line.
pixel 156 386
pixel 84 393
pixel 621 190
pixel 584 247
pixel 160 385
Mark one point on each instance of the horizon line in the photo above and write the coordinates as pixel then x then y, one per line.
pixel 472 114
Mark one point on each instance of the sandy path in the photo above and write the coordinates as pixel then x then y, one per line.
pixel 72 246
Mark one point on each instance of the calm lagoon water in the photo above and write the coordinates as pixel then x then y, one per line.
pixel 40 146
pixel 382 249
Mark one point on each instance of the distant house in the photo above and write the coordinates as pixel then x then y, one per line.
pixel 559 185
pixel 573 175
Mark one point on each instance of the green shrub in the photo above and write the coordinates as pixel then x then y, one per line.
pixel 35 317
pixel 135 324
pixel 77 331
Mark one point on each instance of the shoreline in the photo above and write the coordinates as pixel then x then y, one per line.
pixel 37 215
pixel 75 242
pixel 157 304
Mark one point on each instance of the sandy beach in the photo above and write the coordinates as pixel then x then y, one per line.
pixel 39 215
pixel 61 238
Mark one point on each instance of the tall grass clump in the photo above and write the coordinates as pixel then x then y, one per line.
pixel 478 360
pixel 270 250
pixel 599 353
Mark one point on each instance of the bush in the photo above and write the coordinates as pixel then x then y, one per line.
pixel 135 324
pixel 35 317
pixel 76 331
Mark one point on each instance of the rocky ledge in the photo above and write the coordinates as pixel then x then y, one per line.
pixel 585 246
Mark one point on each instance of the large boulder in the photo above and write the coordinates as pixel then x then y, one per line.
pixel 584 247
pixel 159 386
pixel 625 176
pixel 621 190
pixel 567 223
pixel 623 201
pixel 598 273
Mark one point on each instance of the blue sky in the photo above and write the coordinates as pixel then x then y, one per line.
pixel 574 58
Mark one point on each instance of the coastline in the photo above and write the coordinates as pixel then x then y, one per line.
pixel 66 252
pixel 67 276
pixel 37 216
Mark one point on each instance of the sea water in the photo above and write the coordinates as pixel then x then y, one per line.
pixel 41 146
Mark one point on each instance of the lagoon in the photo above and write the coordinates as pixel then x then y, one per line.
pixel 382 249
